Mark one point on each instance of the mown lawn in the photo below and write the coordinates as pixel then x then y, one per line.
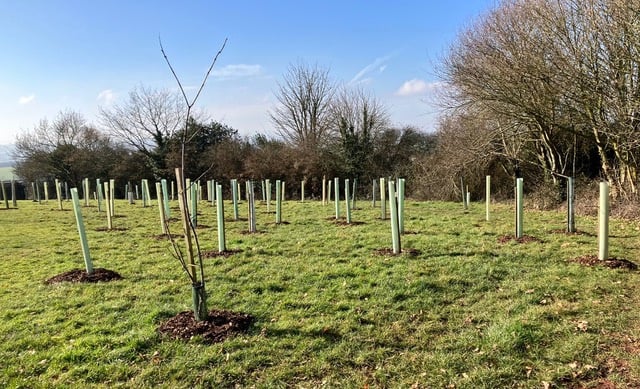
pixel 465 312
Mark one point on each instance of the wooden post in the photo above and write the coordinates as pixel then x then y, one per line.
pixel 112 196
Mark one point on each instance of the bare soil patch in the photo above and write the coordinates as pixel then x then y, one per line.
pixel 81 275
pixel 219 326
pixel 389 252
pixel 216 254
pixel 524 239
pixel 612 263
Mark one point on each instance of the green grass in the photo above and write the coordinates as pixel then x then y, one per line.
pixel 330 312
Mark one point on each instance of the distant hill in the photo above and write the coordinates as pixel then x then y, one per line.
pixel 5 155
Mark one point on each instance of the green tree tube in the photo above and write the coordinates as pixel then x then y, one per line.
pixel 383 200
pixel 347 200
pixel 374 192
pixel 395 228
pixel 165 198
pixel 83 236
pixel 336 184
pixel 401 188
pixel 268 186
pixel 222 247
pixel 58 194
pixel 571 213
pixel 163 219
pixel 278 202
pixel 14 197
pixel 5 198
pixel 487 198
pixel 519 208
pixel 603 222
pixel 234 198
pixel 100 195
pixel 112 196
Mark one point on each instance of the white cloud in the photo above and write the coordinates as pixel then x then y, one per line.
pixel 237 71
pixel 26 99
pixel 379 65
pixel 106 96
pixel 417 87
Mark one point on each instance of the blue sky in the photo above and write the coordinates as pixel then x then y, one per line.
pixel 83 54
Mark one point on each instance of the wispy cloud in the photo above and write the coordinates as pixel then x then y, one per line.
pixel 237 71
pixel 106 96
pixel 26 99
pixel 377 66
pixel 417 87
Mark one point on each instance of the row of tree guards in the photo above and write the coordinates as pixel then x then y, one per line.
pixel 603 210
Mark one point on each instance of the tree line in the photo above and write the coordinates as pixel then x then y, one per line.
pixel 540 89
pixel 543 90
pixel 322 130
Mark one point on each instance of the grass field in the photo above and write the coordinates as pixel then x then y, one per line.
pixel 466 312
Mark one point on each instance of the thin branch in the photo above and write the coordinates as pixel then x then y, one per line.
pixel 204 80
pixel 186 100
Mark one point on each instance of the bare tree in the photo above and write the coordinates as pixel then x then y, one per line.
pixel 302 115
pixel 147 121
pixel 357 119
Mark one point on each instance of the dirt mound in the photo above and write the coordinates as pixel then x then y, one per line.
pixel 218 326
pixel 613 263
pixel 80 275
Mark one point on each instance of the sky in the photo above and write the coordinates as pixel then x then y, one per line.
pixel 80 55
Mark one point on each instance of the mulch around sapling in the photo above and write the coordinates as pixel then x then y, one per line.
pixel 80 275
pixel 215 253
pixel 219 326
pixel 524 239
pixel 389 252
pixel 612 263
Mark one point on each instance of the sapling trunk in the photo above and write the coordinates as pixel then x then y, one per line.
pixel 395 228
pixel 81 232
pixel 193 198
pixel 198 291
pixel 603 224
pixel 220 217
